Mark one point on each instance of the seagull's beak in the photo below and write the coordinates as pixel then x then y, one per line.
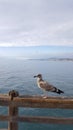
pixel 35 76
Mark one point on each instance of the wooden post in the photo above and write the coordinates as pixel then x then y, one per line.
pixel 13 111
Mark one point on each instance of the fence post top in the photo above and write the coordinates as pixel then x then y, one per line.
pixel 13 93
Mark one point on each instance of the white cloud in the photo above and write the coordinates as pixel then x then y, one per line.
pixel 31 22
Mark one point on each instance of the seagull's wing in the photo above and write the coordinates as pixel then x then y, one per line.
pixel 46 86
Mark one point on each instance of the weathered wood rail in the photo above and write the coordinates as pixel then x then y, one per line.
pixel 15 101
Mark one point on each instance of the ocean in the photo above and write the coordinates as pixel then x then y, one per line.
pixel 18 74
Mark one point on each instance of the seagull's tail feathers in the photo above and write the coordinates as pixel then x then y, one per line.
pixel 57 91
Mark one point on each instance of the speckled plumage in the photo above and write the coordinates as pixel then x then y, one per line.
pixel 46 86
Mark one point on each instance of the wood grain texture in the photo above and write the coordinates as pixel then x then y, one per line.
pixel 37 102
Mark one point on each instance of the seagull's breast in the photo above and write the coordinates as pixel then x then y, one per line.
pixel 39 82
pixel 39 85
pixel 42 84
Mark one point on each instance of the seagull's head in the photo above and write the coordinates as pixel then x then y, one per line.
pixel 38 76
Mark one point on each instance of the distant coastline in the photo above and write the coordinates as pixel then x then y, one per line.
pixel 40 59
pixel 53 59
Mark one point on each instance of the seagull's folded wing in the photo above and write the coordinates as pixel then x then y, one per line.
pixel 46 86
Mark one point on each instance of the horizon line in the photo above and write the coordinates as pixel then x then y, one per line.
pixel 19 46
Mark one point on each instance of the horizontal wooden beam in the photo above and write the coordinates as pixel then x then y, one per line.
pixel 40 102
pixel 47 120
pixel 4 118
pixel 37 119
pixel 37 102
pixel 4 100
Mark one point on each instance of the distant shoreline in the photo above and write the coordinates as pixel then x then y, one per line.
pixel 39 59
pixel 54 59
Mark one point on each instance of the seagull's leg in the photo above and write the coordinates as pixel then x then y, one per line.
pixel 45 95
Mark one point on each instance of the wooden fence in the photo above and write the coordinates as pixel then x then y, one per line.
pixel 14 101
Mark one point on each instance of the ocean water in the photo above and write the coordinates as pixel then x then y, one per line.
pixel 18 74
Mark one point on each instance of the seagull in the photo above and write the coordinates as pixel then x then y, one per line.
pixel 46 86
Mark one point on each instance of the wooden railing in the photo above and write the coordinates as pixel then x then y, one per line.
pixel 14 101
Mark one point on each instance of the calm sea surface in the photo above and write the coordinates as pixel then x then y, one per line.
pixel 18 74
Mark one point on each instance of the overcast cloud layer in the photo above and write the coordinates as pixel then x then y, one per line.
pixel 36 22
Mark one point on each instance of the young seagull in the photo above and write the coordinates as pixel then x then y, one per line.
pixel 46 86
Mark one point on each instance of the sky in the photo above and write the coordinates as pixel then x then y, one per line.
pixel 37 52
pixel 36 23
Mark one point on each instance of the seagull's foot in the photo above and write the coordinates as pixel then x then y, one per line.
pixel 44 96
